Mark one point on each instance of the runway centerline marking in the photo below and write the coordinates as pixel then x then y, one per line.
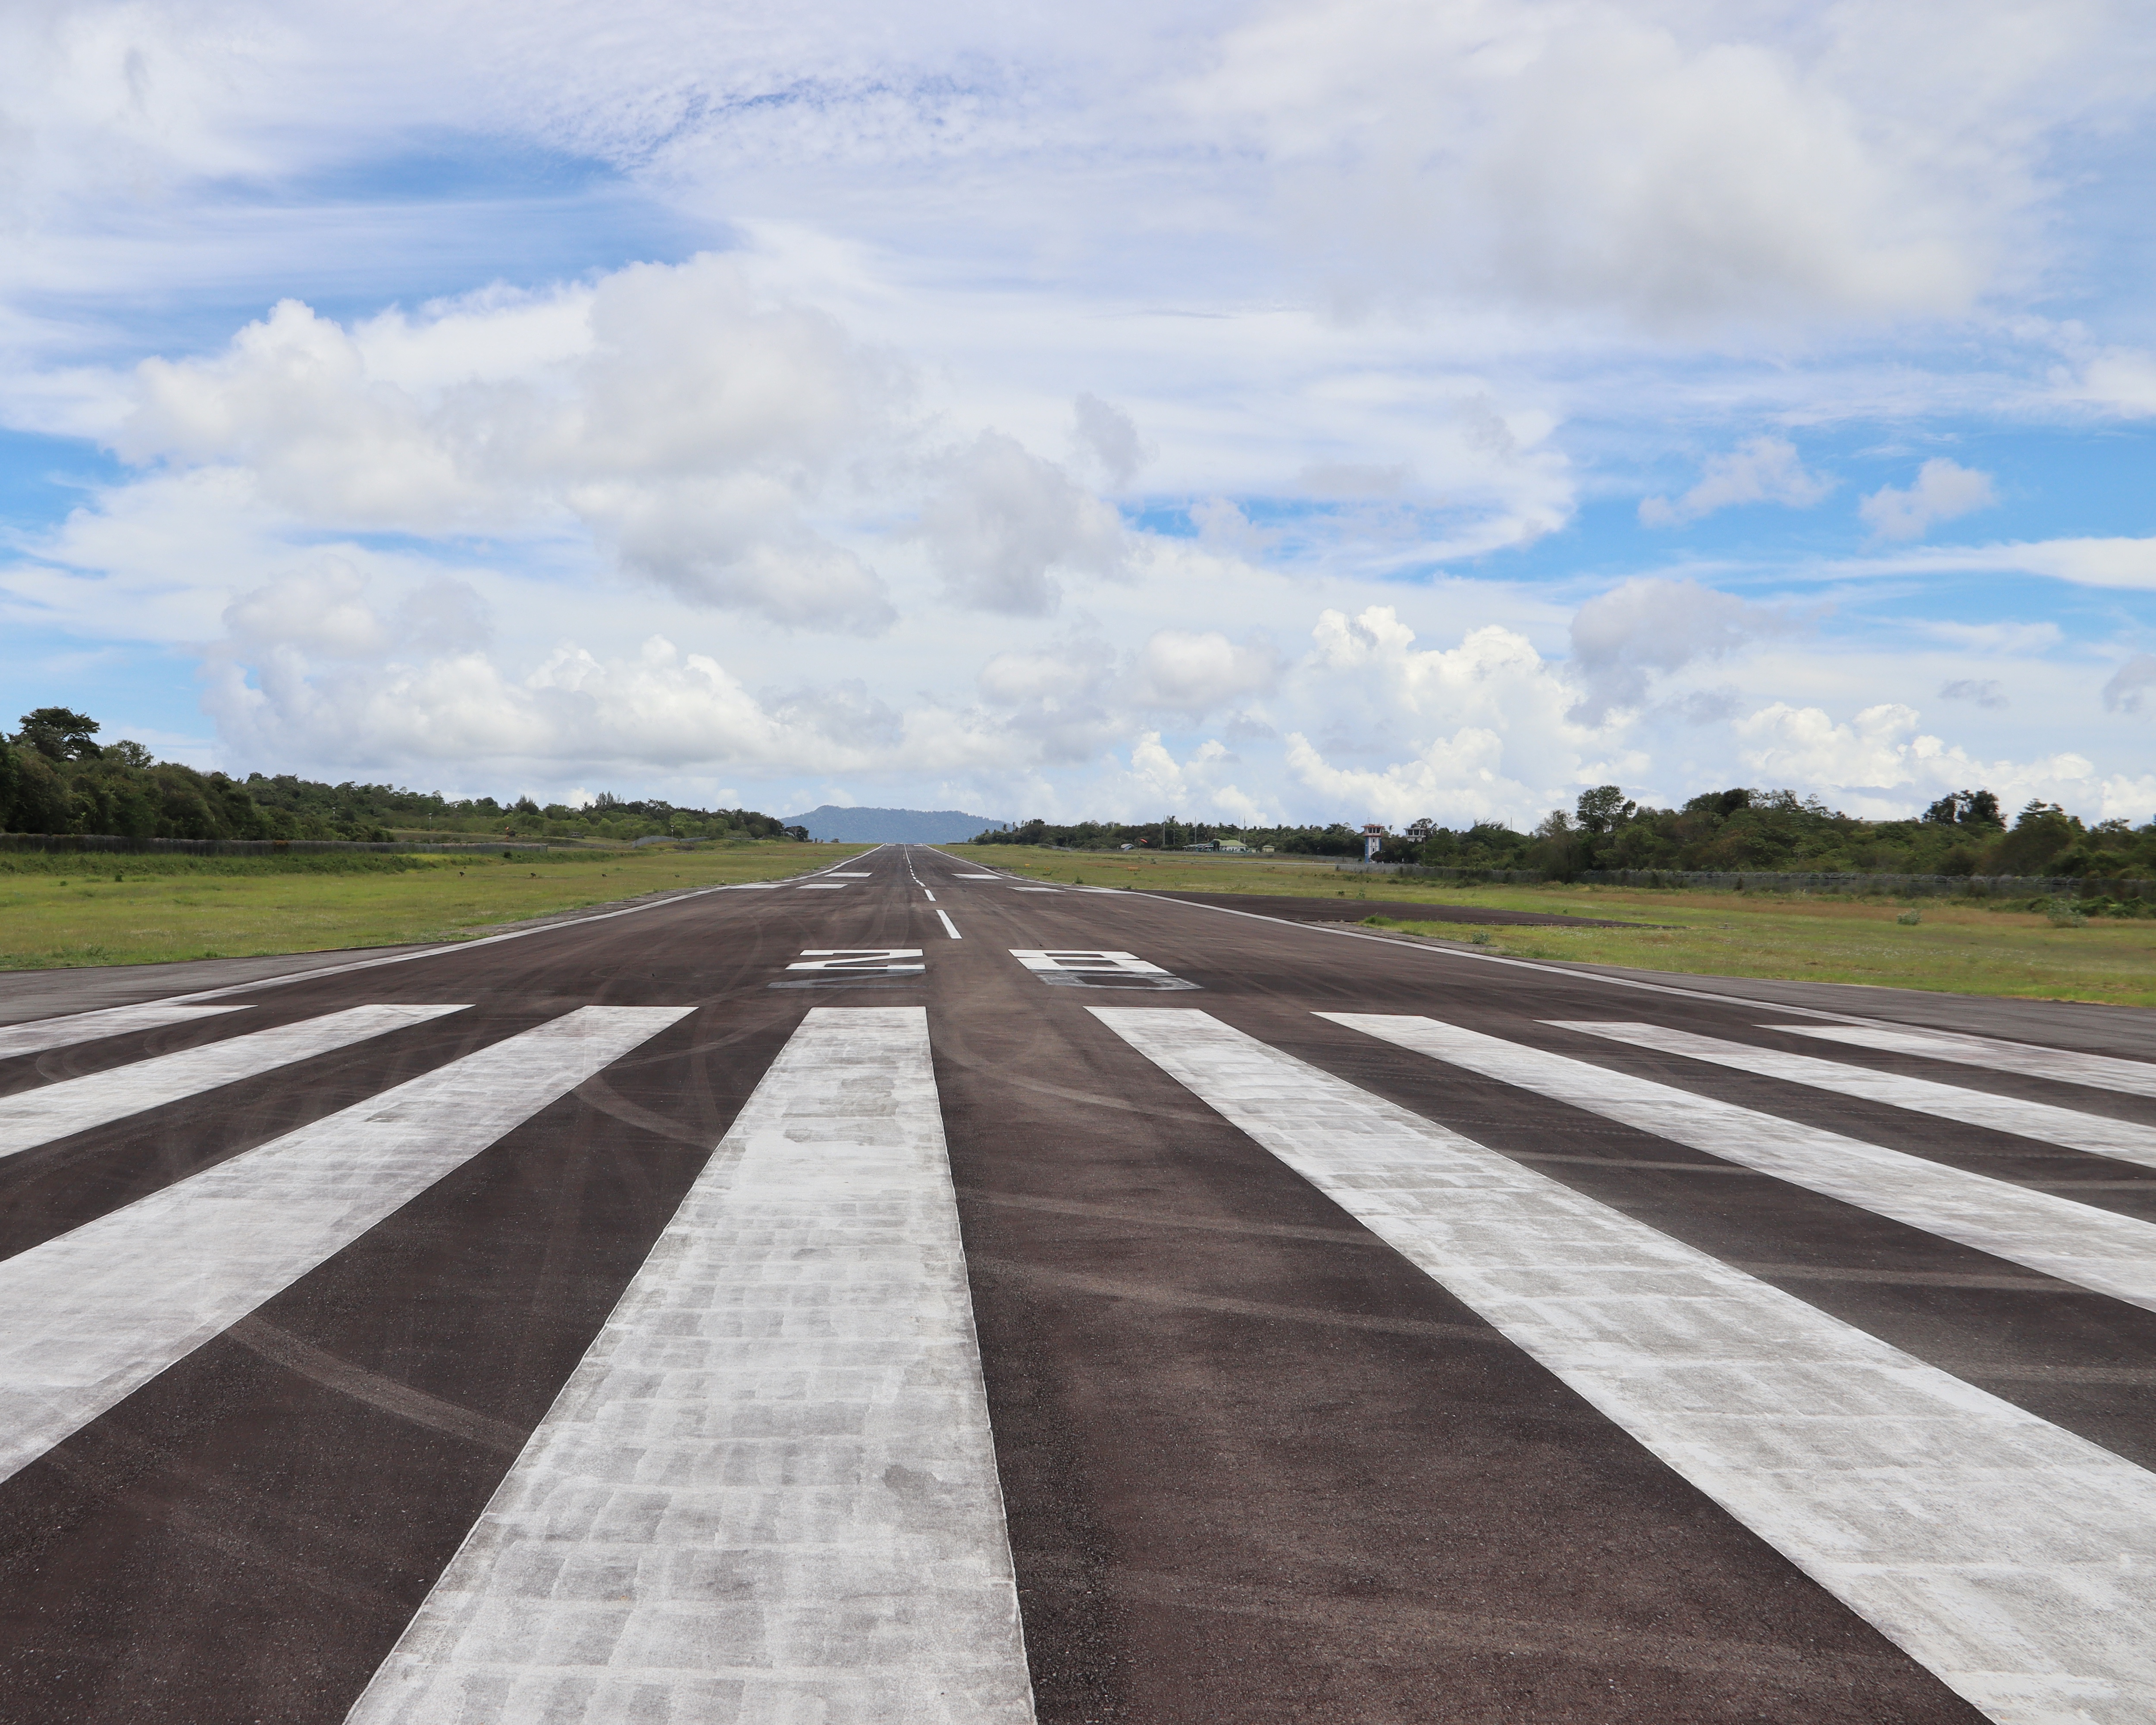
pixel 2064 1066
pixel 2123 1140
pixel 74 1105
pixel 950 927
pixel 769 1490
pixel 2098 1250
pixel 926 893
pixel 1095 967
pixel 121 1299
pixel 43 1034
pixel 2008 1556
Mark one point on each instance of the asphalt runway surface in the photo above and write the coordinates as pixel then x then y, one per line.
pixel 889 1296
pixel 1345 909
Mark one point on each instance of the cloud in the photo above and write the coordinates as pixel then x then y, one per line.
pixel 691 424
pixel 1945 491
pixel 2130 684
pixel 1762 469
pixel 1986 692
pixel 1005 519
pixel 1108 435
pixel 1197 672
pixel 1881 750
pixel 1636 161
pixel 1649 624
pixel 2118 380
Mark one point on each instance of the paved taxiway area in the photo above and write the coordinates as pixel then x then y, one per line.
pixel 889 1296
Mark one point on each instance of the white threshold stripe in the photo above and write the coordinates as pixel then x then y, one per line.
pixel 2097 1071
pixel 950 927
pixel 2122 1140
pixel 121 1299
pixel 74 1105
pixel 2099 1249
pixel 2009 1557
pixel 42 1033
pixel 769 1491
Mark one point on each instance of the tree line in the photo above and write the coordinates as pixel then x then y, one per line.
pixel 56 777
pixel 1965 832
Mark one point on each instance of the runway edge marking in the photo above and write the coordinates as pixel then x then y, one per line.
pixel 770 1490
pixel 1903 1491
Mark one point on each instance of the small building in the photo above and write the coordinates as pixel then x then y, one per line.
pixel 1234 845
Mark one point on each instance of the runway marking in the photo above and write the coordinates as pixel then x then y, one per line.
pixel 854 960
pixel 2098 1250
pixel 42 1033
pixel 1036 888
pixel 2009 1557
pixel 2096 1071
pixel 977 877
pixel 769 1491
pixel 851 874
pixel 121 1299
pixel 950 927
pixel 74 1105
pixel 1074 967
pixel 926 893
pixel 755 886
pixel 2121 1139
pixel 822 886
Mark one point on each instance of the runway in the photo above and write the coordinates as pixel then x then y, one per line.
pixel 886 1296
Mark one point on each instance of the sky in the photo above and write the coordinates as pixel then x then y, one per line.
pixel 1324 410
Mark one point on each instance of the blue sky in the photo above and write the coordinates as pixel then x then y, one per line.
pixel 1355 410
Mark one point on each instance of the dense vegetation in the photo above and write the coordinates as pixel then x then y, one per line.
pixel 1964 833
pixel 56 777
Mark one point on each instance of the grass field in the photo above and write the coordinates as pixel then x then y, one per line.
pixel 64 911
pixel 1957 946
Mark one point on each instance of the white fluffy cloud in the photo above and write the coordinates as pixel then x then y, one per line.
pixel 1881 755
pixel 1945 491
pixel 1762 469
pixel 693 425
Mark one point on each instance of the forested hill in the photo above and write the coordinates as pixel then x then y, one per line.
pixel 1964 833
pixel 55 777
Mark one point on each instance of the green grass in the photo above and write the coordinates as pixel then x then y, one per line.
pixel 57 911
pixel 1958 946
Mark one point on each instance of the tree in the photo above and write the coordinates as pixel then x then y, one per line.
pixel 1604 809
pixel 1966 808
pixel 59 733
pixel 129 753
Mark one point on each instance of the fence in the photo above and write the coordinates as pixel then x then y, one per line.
pixel 1769 881
pixel 65 842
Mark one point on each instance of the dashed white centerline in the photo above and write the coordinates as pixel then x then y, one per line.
pixel 950 927
pixel 927 895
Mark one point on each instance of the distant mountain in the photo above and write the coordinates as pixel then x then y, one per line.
pixel 892 826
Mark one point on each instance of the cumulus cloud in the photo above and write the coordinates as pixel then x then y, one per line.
pixel 1005 519
pixel 1881 750
pixel 1762 469
pixel 1649 624
pixel 1945 491
pixel 691 423
pixel 2130 685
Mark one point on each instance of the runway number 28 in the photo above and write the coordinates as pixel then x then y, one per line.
pixel 868 961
